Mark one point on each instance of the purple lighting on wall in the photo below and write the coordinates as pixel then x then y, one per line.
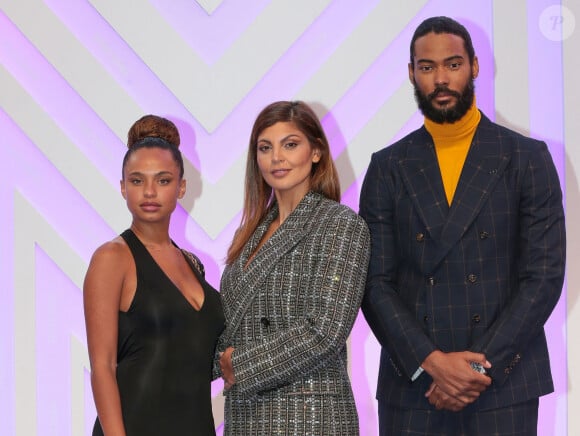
pixel 36 177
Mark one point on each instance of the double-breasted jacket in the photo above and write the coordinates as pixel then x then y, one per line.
pixel 288 314
pixel 482 274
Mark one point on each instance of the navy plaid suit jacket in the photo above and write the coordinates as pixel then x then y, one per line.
pixel 483 274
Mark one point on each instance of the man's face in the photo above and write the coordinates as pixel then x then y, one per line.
pixel 442 77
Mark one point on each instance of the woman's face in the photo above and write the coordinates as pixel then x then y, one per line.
pixel 151 184
pixel 285 158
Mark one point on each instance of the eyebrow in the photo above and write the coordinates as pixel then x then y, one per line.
pixel 160 173
pixel 450 58
pixel 285 138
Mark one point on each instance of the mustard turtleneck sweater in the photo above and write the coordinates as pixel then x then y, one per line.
pixel 452 142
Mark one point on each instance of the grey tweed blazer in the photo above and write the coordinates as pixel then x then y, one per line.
pixel 288 315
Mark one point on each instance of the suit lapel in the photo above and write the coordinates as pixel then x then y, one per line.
pixel 247 282
pixel 485 163
pixel 422 178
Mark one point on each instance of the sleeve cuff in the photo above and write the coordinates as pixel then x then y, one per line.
pixel 417 373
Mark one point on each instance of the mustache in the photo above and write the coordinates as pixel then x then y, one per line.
pixel 443 89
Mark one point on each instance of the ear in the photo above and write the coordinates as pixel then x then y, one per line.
pixel 182 189
pixel 316 155
pixel 411 73
pixel 123 193
pixel 475 68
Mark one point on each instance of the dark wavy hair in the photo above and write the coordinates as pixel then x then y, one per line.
pixel 440 25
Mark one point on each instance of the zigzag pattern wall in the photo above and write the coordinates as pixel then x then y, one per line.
pixel 74 76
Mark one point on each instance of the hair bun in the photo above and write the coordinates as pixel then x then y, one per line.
pixel 153 126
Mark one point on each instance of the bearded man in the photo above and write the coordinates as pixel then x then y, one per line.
pixel 467 261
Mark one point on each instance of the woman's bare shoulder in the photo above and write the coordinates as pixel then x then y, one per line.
pixel 114 252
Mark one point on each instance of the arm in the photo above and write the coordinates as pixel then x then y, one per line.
pixel 102 296
pixel 540 265
pixel 391 321
pixel 335 289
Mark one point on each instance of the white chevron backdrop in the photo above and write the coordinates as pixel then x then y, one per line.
pixel 74 75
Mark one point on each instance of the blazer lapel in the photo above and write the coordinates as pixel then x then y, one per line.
pixel 485 163
pixel 422 178
pixel 248 279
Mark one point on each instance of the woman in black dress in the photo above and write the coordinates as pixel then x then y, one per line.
pixel 152 319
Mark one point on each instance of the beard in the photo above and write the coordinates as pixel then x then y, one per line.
pixel 464 100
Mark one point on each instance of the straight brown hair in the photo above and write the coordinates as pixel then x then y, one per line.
pixel 258 195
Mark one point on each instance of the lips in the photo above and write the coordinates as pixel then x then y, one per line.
pixel 443 94
pixel 150 207
pixel 279 172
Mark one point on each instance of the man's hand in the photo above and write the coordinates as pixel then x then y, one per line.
pixel 227 368
pixel 452 373
pixel 441 400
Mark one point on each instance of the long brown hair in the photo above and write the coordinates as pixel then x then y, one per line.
pixel 258 195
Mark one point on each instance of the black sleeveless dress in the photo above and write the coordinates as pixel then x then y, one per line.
pixel 165 353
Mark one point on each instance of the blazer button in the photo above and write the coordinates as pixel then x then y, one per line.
pixel 425 319
pixel 431 280
pixel 483 235
pixel 476 319
pixel 265 322
pixel 420 237
pixel 472 278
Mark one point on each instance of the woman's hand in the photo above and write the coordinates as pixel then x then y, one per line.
pixel 227 368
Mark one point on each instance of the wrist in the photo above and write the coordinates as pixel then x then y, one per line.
pixel 429 362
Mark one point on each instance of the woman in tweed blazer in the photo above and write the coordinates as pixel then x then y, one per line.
pixel 292 286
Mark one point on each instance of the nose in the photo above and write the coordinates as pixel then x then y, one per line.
pixel 149 189
pixel 277 154
pixel 441 77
